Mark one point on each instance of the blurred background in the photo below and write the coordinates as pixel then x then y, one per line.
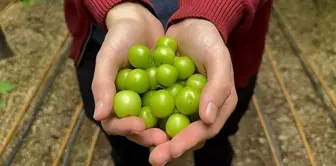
pixel 291 120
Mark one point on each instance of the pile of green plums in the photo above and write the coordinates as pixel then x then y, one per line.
pixel 162 89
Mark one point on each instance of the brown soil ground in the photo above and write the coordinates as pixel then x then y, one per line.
pixel 36 34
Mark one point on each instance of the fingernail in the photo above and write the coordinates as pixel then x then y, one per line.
pixel 164 163
pixel 134 132
pixel 211 112
pixel 179 155
pixel 98 107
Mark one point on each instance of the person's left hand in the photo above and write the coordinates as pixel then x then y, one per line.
pixel 201 40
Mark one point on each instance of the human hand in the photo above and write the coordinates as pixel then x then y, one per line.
pixel 128 24
pixel 201 40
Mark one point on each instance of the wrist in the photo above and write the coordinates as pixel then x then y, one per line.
pixel 129 11
pixel 230 15
pixel 193 23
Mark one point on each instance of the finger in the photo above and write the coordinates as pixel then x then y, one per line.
pixel 224 113
pixel 103 87
pixel 193 136
pixel 123 126
pixel 190 137
pixel 160 155
pixel 198 146
pixel 150 137
pixel 218 86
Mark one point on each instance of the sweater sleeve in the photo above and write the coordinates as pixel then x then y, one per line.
pixel 226 15
pixel 97 10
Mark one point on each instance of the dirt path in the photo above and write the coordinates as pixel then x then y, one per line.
pixel 35 40
pixel 37 33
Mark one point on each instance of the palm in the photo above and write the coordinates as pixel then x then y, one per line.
pixel 128 24
pixel 201 40
pixel 131 33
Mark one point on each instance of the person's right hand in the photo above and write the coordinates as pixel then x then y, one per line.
pixel 128 24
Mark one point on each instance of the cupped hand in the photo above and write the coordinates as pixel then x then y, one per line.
pixel 128 24
pixel 201 40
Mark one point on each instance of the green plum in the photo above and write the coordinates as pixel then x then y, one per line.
pixel 146 98
pixel 137 80
pixel 166 75
pixel 126 103
pixel 168 42
pixel 121 79
pixel 187 101
pixel 162 122
pixel 175 89
pixel 147 116
pixel 153 83
pixel 197 81
pixel 140 56
pixel 176 123
pixel 184 66
pixel 164 55
pixel 162 104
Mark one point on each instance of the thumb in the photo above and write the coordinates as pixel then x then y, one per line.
pixel 106 69
pixel 218 86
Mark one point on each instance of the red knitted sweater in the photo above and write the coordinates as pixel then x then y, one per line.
pixel 243 25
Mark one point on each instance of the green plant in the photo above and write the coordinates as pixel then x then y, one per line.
pixel 25 2
pixel 5 87
pixel 29 2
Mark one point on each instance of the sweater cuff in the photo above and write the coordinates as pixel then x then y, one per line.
pixel 224 14
pixel 100 8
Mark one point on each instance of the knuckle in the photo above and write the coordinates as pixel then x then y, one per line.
pixel 214 131
pixel 106 128
pixel 115 47
pixel 132 139
pixel 213 50
pixel 225 88
pixel 108 52
pixel 235 98
pixel 94 85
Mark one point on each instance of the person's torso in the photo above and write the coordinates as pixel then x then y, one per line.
pixel 164 10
